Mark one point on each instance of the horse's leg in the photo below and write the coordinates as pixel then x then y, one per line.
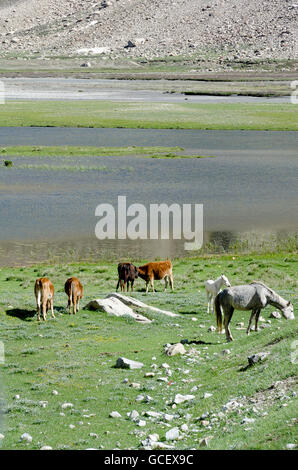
pixel 212 302
pixel 257 319
pixel 253 313
pixel 228 316
pixel 208 301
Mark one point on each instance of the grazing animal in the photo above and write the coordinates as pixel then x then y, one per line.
pixel 44 294
pixel 74 289
pixel 127 273
pixel 213 288
pixel 253 296
pixel 157 270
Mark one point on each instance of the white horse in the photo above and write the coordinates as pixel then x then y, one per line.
pixel 254 297
pixel 213 288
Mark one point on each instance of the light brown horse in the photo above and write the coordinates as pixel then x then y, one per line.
pixel 44 294
pixel 74 290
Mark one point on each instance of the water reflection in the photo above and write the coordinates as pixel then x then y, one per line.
pixel 93 250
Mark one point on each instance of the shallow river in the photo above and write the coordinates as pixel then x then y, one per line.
pixel 250 187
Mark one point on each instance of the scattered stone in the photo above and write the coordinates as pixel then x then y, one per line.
pixel 115 414
pixel 184 427
pixel 172 434
pixel 66 405
pixel 182 398
pixel 226 352
pixel 165 366
pixel 46 448
pixel 208 395
pixel 205 441
pixel 153 414
pixel 114 306
pixel 135 385
pixel 124 363
pixel 174 349
pixel 247 420
pixel 133 415
pixel 141 422
pixel 168 417
pixel 205 422
pixel 231 405
pixel 257 358
pixel 291 446
pixel 276 315
pixel 71 426
pixel 149 374
pixel 1 436
pixel 54 392
pixel 94 50
pixel 211 329
pixel 85 64
pixel 26 437
pixel 129 301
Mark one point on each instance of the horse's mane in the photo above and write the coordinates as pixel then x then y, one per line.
pixel 264 285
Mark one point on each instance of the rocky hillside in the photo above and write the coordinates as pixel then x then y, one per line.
pixel 151 28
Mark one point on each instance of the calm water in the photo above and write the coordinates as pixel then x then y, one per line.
pixel 250 187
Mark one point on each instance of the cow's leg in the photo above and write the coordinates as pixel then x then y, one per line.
pixel 166 282
pixel 152 284
pixel 70 303
pixel 171 281
pixel 78 304
pixel 131 285
pixel 253 313
pixel 227 318
pixel 147 286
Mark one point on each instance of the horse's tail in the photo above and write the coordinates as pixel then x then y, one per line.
pixel 218 312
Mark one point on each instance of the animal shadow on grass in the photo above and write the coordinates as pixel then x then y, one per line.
pixel 22 314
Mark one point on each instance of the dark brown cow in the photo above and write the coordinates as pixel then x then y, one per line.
pixel 74 289
pixel 156 270
pixel 44 294
pixel 127 273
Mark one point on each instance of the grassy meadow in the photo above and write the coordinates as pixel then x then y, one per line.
pixel 108 114
pixel 74 356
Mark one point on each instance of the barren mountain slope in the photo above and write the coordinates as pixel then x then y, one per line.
pixel 150 28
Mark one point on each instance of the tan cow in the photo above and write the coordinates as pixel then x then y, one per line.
pixel 74 289
pixel 156 270
pixel 44 294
